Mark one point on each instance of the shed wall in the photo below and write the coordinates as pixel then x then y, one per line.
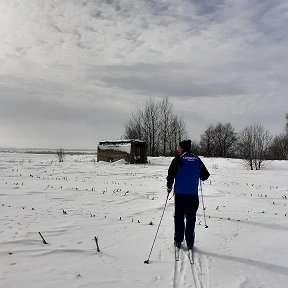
pixel 137 153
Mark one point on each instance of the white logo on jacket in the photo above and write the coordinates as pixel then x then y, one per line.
pixel 189 158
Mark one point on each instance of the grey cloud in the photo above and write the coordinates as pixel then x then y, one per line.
pixel 208 7
pixel 175 79
pixel 27 111
pixel 82 63
pixel 174 85
pixel 45 124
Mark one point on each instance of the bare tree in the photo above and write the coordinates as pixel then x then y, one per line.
pixel 207 144
pixel 286 125
pixel 253 146
pixel 263 140
pixel 182 131
pixel 278 149
pixel 151 125
pixel 134 128
pixel 195 148
pixel 245 146
pixel 177 133
pixel 224 139
pixel 60 154
pixel 165 110
pixel 156 124
pixel 218 140
pixel 173 135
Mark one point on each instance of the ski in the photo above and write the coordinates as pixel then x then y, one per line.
pixel 177 253
pixel 191 256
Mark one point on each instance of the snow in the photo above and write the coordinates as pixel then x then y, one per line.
pixel 126 147
pixel 245 244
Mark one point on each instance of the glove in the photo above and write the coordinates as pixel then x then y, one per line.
pixel 169 190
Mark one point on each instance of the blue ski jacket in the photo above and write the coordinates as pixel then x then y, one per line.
pixel 186 169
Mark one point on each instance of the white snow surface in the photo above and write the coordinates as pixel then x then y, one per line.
pixel 70 203
pixel 124 147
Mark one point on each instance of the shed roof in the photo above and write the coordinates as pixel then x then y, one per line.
pixel 124 141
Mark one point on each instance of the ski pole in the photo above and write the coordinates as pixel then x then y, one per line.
pixel 206 226
pixel 147 261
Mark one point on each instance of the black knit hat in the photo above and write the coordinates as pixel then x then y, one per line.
pixel 185 145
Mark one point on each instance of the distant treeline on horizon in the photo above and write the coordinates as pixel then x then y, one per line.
pixel 48 151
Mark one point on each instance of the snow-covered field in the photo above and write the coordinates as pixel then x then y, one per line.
pixel 70 203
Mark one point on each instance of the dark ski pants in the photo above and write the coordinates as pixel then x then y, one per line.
pixel 185 206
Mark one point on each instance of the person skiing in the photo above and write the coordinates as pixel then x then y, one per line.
pixel 186 169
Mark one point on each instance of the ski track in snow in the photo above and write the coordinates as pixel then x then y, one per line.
pixel 201 270
pixel 179 271
pixel 196 276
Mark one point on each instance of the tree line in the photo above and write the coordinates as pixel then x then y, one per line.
pixel 158 125
pixel 254 144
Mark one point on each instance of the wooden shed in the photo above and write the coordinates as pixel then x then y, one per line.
pixel 132 151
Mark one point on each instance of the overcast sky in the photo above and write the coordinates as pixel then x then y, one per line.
pixel 73 71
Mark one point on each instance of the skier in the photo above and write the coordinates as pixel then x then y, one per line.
pixel 186 169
